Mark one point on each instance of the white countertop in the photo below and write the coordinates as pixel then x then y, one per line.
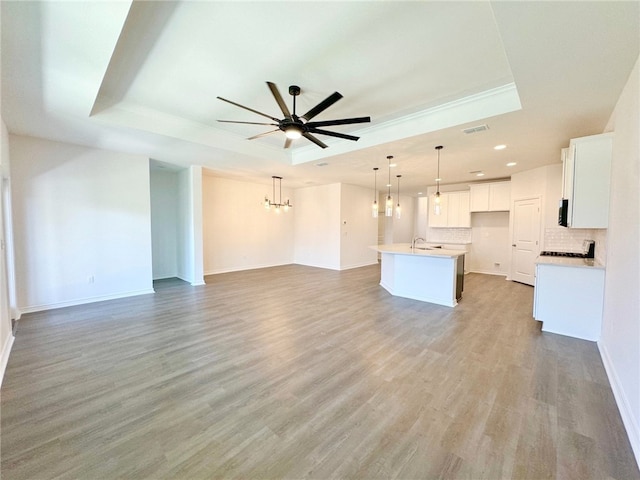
pixel 405 249
pixel 569 262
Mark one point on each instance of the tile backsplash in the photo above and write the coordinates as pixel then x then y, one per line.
pixel 561 239
pixel 449 235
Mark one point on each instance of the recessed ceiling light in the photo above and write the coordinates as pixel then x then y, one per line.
pixel 479 174
pixel 438 179
pixel 388 184
pixel 419 193
pixel 499 147
pixel 393 165
pixel 511 164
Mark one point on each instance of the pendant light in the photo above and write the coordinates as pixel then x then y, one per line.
pixel 398 210
pixel 374 205
pixel 276 204
pixel 388 207
pixel 437 196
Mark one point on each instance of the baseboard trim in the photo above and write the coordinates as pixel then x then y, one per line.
pixel 631 424
pixel 4 359
pixel 359 265
pixel 82 301
pixel 499 274
pixel 243 268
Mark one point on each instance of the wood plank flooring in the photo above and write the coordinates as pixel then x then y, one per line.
pixel 298 372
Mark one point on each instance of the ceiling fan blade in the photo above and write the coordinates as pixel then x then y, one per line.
pixel 310 137
pixel 333 134
pixel 250 109
pixel 276 94
pixel 287 142
pixel 260 135
pixel 322 106
pixel 343 121
pixel 248 123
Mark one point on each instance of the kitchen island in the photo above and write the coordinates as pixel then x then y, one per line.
pixel 428 274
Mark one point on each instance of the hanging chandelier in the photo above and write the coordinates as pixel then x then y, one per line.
pixel 374 205
pixel 437 208
pixel 388 207
pixel 278 205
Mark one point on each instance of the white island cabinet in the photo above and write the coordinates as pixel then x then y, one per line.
pixel 569 296
pixel 433 275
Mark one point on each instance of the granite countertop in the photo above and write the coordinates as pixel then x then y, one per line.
pixel 569 262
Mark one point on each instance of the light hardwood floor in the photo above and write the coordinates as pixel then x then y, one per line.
pixel 297 372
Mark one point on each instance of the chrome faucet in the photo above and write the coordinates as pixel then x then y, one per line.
pixel 415 240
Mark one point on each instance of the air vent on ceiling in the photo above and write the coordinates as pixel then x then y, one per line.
pixel 476 129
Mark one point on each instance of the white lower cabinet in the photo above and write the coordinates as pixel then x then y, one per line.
pixel 568 300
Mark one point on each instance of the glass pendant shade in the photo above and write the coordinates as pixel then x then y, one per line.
pixel 437 208
pixel 388 208
pixel 374 205
pixel 398 209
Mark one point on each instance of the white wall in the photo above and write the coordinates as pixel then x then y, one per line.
pixel 620 341
pixel 239 233
pixel 421 214
pixel 398 230
pixel 317 226
pixel 164 222
pixel 404 226
pixel 359 230
pixel 190 218
pixel 6 336
pixel 81 223
pixel 490 244
pixel 544 183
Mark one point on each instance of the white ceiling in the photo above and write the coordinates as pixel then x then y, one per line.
pixel 144 77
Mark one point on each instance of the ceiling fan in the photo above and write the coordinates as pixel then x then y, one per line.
pixel 295 126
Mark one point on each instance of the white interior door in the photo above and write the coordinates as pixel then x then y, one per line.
pixel 526 240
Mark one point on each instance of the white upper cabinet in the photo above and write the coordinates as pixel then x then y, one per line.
pixel 490 197
pixel 586 181
pixel 454 211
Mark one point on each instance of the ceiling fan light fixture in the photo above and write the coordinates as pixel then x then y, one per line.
pixel 293 132
pixel 294 126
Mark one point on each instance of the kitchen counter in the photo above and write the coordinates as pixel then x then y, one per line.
pixel 569 262
pixel 433 275
pixel 420 250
